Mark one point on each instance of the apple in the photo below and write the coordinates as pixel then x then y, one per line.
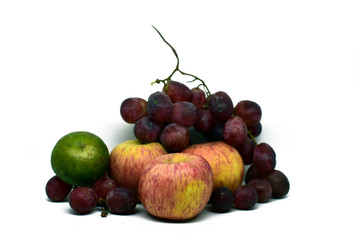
pixel 225 161
pixel 176 186
pixel 128 159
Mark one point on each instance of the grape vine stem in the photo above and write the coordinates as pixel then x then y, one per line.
pixel 177 69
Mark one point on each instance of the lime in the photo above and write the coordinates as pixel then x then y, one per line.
pixel 80 158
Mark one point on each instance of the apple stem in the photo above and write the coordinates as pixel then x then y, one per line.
pixel 168 79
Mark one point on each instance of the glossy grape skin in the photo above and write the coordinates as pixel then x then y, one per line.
pixel 235 131
pixel 221 199
pixel 183 113
pixel 177 91
pixel 249 111
pixel 83 199
pixel 263 189
pixel 245 197
pixel 132 109
pixel 159 107
pixel 147 130
pixel 206 120
pixel 221 105
pixel 102 187
pixel 264 158
pixel 57 190
pixel 175 137
pixel 279 183
pixel 246 151
pixel 121 201
pixel 198 98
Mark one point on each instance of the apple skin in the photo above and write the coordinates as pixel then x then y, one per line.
pixel 128 159
pixel 225 161
pixel 176 186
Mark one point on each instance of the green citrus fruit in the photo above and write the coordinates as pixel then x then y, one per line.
pixel 80 158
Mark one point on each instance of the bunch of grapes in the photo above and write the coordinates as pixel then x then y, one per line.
pixel 104 194
pixel 166 117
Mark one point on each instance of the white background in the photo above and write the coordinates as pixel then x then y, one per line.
pixel 67 65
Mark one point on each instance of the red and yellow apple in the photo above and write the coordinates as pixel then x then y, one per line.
pixel 128 159
pixel 225 161
pixel 176 186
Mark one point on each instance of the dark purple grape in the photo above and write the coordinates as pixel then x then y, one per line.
pixel 263 189
pixel 57 190
pixel 83 199
pixel 198 98
pixel 217 134
pixel 132 109
pixel 264 158
pixel 222 199
pixel 102 187
pixel 121 201
pixel 183 113
pixel 255 130
pixel 221 105
pixel 235 131
pixel 175 137
pixel 279 183
pixel 249 111
pixel 252 173
pixel 205 120
pixel 147 130
pixel 177 91
pixel 245 197
pixel 246 151
pixel 159 107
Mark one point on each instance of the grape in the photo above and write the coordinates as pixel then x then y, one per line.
pixel 245 197
pixel 235 131
pixel 252 173
pixel 159 107
pixel 102 187
pixel 249 111
pixel 246 151
pixel 183 113
pixel 177 91
pixel 263 189
pixel 83 199
pixel 217 134
pixel 146 130
pixel 132 109
pixel 222 199
pixel 279 183
pixel 221 105
pixel 175 137
pixel 57 190
pixel 198 98
pixel 205 120
pixel 264 158
pixel 121 201
pixel 255 130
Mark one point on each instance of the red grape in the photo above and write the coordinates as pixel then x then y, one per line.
pixel 121 201
pixel 83 199
pixel 279 183
pixel 183 113
pixel 264 158
pixel 159 107
pixel 255 130
pixel 235 131
pixel 249 111
pixel 57 190
pixel 177 91
pixel 132 109
pixel 246 151
pixel 221 105
pixel 175 137
pixel 146 130
pixel 245 197
pixel 102 187
pixel 205 120
pixel 263 189
pixel 222 199
pixel 198 98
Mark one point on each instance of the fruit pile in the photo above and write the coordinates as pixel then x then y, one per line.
pixel 164 168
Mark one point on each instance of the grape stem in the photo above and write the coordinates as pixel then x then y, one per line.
pixel 252 137
pixel 168 79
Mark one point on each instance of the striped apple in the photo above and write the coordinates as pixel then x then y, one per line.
pixel 128 159
pixel 176 186
pixel 225 161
